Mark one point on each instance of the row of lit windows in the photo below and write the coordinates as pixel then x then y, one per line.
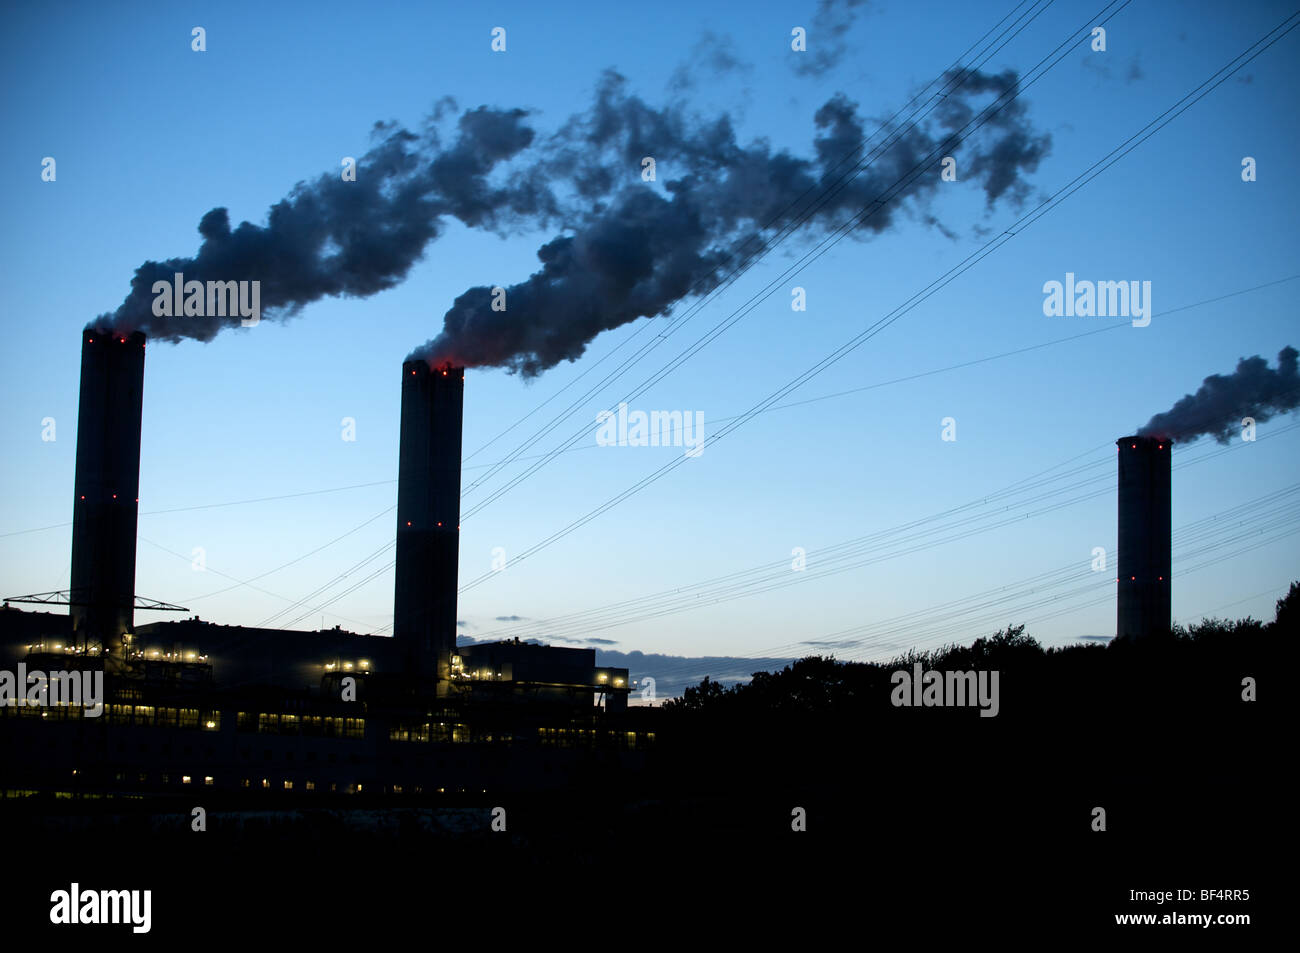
pixel 160 717
pixel 55 712
pixel 164 717
pixel 326 726
pixel 265 784
pixel 287 785
pixel 587 737
pixel 208 780
pixel 440 732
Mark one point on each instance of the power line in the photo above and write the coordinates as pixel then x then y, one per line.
pixel 1051 202
pixel 835 187
pixel 997 602
pixel 880 203
pixel 1048 204
pixel 778 575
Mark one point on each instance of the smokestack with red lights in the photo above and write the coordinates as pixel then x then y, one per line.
pixel 428 516
pixel 1145 549
pixel 107 489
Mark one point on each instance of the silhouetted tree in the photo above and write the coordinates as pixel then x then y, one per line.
pixel 1287 621
pixel 707 695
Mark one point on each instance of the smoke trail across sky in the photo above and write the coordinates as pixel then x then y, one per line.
pixel 626 246
pixel 1217 408
pixel 332 237
pixel 639 250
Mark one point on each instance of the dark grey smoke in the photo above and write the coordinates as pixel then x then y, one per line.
pixel 827 41
pixel 640 248
pixel 1217 408
pixel 331 237
pixel 711 56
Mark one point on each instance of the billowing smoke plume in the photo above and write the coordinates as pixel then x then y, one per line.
pixel 1218 407
pixel 352 238
pixel 627 247
pixel 639 249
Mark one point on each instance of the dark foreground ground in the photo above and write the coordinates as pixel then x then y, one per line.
pixel 919 856
pixel 923 825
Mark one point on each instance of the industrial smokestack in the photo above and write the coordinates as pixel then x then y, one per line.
pixel 428 516
pixel 106 494
pixel 1145 549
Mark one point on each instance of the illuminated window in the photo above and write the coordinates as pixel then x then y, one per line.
pixel 207 779
pixel 265 783
pixel 288 785
pixel 185 779
pixel 311 785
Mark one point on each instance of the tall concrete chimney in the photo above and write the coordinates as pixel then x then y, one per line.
pixel 428 517
pixel 107 489
pixel 1145 549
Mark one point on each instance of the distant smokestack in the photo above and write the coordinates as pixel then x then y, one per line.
pixel 428 516
pixel 1145 549
pixel 106 494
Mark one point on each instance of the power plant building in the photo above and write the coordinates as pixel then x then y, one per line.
pixel 235 707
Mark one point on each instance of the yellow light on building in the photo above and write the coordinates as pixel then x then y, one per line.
pixel 618 683
pixel 185 779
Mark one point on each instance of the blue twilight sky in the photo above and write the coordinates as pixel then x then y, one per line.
pixel 149 135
